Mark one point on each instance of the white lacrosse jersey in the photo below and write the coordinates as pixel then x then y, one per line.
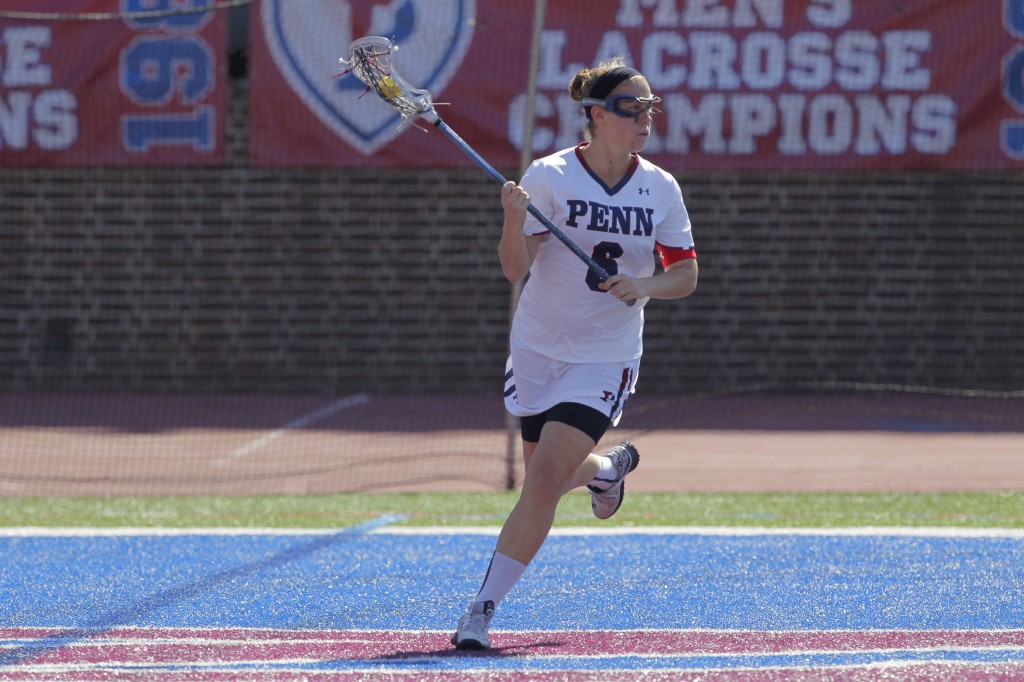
pixel 561 313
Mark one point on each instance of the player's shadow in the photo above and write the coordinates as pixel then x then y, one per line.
pixel 514 651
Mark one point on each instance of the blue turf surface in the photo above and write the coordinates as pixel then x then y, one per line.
pixel 353 579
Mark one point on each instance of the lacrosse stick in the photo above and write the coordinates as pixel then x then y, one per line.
pixel 369 60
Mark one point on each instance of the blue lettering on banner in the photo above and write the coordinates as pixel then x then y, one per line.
pixel 168 65
pixel 1013 81
pixel 196 129
pixel 160 70
pixel 182 21
pixel 1015 17
pixel 1013 139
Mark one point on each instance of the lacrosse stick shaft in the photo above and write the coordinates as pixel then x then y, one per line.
pixel 370 61
pixel 534 211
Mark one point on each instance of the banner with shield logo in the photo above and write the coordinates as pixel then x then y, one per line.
pixel 304 113
pixel 746 84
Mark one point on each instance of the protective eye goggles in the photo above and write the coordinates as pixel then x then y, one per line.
pixel 625 106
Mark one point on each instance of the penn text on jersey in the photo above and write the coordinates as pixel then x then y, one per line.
pixel 630 220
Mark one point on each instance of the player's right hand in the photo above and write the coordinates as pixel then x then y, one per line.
pixel 514 200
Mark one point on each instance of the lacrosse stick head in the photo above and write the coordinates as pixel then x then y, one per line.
pixel 369 60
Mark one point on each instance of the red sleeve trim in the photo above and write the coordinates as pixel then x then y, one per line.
pixel 673 254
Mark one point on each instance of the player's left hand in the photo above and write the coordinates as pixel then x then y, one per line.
pixel 623 287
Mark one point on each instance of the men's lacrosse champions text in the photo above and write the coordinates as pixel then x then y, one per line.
pixel 746 84
pixel 758 77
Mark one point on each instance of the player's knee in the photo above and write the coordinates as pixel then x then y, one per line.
pixel 545 485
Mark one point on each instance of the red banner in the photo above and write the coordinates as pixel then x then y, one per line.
pixel 746 84
pixel 112 91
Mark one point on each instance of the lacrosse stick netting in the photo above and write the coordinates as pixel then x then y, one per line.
pixel 369 60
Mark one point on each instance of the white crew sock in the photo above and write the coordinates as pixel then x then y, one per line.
pixel 502 575
pixel 605 474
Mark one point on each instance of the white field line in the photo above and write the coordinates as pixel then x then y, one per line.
pixel 374 633
pixel 866 531
pixel 426 663
pixel 280 668
pixel 995 533
pixel 300 423
pixel 112 642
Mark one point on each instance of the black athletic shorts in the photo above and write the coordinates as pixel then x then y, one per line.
pixel 582 417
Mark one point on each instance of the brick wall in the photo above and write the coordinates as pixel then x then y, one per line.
pixel 240 278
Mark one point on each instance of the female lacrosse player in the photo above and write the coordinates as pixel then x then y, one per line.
pixel 575 343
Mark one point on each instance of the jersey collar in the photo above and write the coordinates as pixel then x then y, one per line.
pixel 611 191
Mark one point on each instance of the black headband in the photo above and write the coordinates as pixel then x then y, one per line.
pixel 608 81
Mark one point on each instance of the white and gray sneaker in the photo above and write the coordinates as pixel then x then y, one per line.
pixel 472 631
pixel 606 502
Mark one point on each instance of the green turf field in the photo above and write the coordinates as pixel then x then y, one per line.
pixel 968 510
